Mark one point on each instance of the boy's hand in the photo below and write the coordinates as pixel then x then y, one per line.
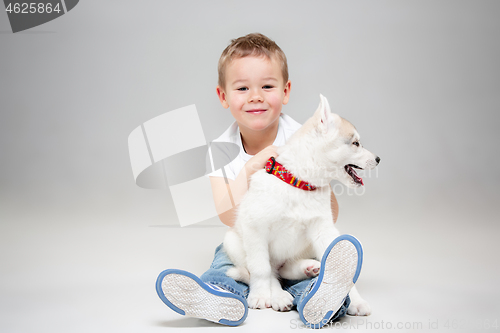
pixel 258 162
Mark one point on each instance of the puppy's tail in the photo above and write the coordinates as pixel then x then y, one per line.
pixel 239 274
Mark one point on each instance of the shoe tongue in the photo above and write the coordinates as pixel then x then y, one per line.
pixel 214 287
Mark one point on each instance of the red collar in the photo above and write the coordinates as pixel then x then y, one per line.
pixel 277 169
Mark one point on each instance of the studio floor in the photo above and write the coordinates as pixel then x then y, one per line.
pixel 98 274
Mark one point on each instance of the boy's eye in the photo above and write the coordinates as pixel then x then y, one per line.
pixel 242 89
pixel 267 87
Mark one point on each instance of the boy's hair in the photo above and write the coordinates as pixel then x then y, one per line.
pixel 254 44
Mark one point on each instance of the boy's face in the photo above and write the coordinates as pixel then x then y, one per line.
pixel 254 92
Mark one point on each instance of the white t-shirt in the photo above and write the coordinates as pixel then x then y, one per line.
pixel 286 127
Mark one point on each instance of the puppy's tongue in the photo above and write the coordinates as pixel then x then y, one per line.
pixel 353 174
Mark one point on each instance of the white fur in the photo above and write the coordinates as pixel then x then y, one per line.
pixel 283 231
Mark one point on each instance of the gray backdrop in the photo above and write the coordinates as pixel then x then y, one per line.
pixel 81 245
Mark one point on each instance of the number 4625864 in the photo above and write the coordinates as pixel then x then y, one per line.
pixel 32 8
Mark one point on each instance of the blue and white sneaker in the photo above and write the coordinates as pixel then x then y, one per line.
pixel 340 268
pixel 186 294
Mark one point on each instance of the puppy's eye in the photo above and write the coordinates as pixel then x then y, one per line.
pixel 356 143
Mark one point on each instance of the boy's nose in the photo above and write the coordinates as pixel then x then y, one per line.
pixel 256 98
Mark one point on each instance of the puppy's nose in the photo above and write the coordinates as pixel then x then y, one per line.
pixel 377 160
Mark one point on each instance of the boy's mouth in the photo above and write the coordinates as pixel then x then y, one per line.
pixel 256 111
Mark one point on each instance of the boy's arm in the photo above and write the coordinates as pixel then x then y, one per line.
pixel 335 207
pixel 227 197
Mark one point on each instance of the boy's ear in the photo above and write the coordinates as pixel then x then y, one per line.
pixel 326 119
pixel 286 97
pixel 222 97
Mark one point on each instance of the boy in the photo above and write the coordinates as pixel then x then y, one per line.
pixel 253 84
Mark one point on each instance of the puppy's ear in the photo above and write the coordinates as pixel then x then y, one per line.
pixel 326 119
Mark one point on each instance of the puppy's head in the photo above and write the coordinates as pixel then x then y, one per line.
pixel 341 148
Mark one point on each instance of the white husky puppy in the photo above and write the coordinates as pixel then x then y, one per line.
pixel 280 229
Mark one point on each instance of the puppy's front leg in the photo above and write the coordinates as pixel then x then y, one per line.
pixel 281 300
pixel 259 267
pixel 358 306
pixel 322 237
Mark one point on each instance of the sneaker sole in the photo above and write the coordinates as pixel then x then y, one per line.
pixel 186 294
pixel 340 268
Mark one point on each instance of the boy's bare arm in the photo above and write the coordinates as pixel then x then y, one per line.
pixel 224 199
pixel 335 207
pixel 227 197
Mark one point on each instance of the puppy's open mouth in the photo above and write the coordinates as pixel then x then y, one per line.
pixel 349 168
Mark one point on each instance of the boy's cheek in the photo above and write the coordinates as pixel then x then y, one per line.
pixel 276 101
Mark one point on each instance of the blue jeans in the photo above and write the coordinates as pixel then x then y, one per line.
pixel 216 275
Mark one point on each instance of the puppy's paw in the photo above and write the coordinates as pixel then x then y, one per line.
pixel 311 268
pixel 359 308
pixel 259 300
pixel 281 300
